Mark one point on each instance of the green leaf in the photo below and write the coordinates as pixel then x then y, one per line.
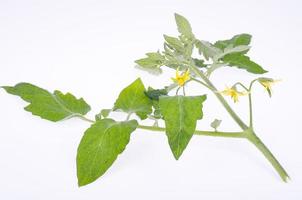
pixel 230 49
pixel 183 26
pixel 51 106
pixel 151 70
pixel 151 63
pixel 243 62
pixel 207 49
pixel 132 99
pixel 180 114
pixel 103 114
pixel 199 63
pixel 215 124
pixel 154 94
pixel 237 40
pixel 100 146
pixel 175 43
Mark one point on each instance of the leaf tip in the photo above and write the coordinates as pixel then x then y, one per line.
pixel 177 16
pixel 6 88
pixel 176 156
pixel 82 183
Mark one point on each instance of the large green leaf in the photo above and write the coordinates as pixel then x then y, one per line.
pixel 180 114
pixel 183 26
pixel 100 146
pixel 243 62
pixel 133 99
pixel 230 50
pixel 51 106
pixel 237 40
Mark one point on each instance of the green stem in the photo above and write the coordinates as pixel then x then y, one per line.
pixel 202 83
pixel 183 90
pixel 197 132
pixel 251 110
pixel 243 86
pixel 128 116
pixel 220 98
pixel 250 103
pixel 248 131
pixel 84 118
pixel 252 137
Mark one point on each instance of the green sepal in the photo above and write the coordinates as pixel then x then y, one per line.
pixel 264 79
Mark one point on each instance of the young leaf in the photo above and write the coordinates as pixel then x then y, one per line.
pixel 180 114
pixel 151 70
pixel 207 49
pixel 199 62
pixel 175 43
pixel 53 107
pixel 184 26
pixel 132 99
pixel 237 40
pixel 100 146
pixel 215 124
pixel 154 94
pixel 151 63
pixel 243 62
pixel 103 114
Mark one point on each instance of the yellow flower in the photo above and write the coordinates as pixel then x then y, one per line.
pixel 182 78
pixel 233 93
pixel 267 84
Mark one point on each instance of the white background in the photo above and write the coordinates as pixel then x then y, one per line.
pixel 88 48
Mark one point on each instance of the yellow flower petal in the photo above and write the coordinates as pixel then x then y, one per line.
pixel 233 93
pixel 181 79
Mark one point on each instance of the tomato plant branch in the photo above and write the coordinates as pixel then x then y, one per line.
pixel 220 97
pixel 247 131
pixel 197 132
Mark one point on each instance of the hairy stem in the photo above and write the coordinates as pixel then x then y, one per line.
pixel 252 137
pixel 250 103
pixel 84 118
pixel 197 132
pixel 248 131
pixel 220 97
pixel 251 110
